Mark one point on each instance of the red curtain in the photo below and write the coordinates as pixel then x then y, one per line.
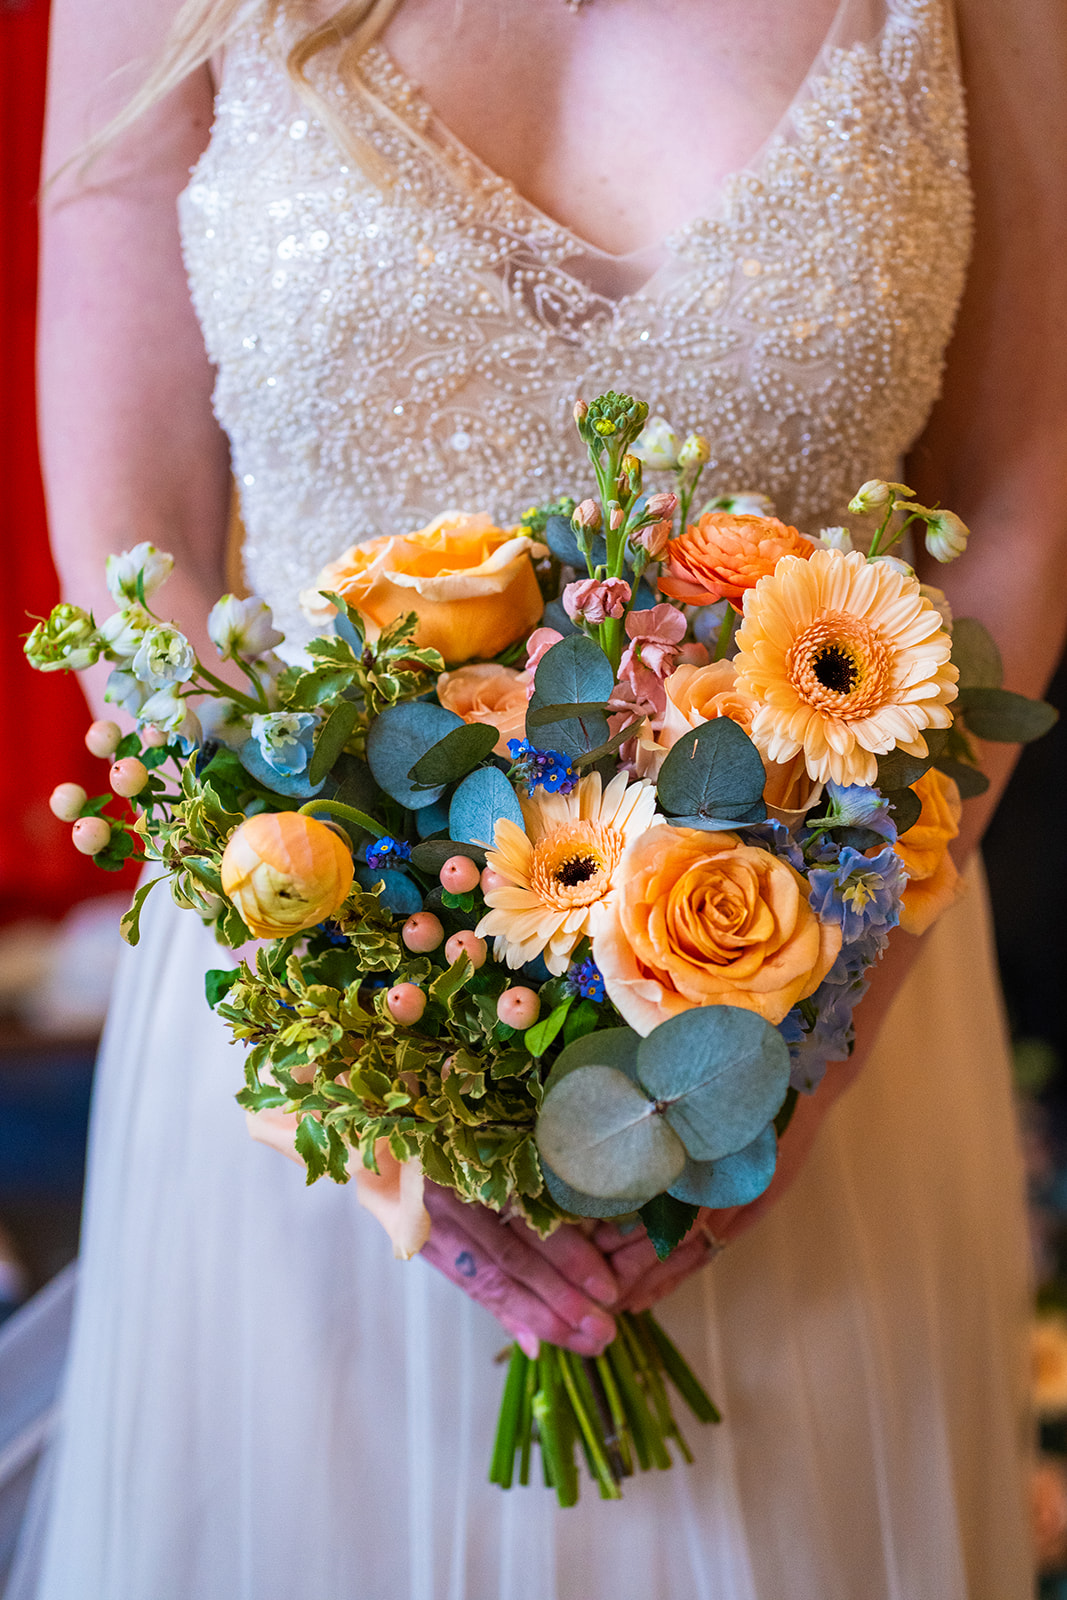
pixel 43 715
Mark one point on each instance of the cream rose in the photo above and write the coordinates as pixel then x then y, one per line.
pixel 487 692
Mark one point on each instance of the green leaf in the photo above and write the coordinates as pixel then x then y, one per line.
pixel 597 1129
pixel 581 1021
pixel 975 653
pixel 713 771
pixel 443 988
pixel 538 1038
pixel 574 673
pixel 905 808
pixel 333 736
pixel 667 1220
pixel 1007 718
pixel 545 714
pixel 395 742
pixel 610 746
pixel 968 780
pixel 898 770
pixel 129 746
pixel 735 1180
pixel 218 981
pixel 130 926
pixel 431 855
pixel 312 1143
pixel 452 757
pixel 611 1047
pixel 478 805
pixel 720 1073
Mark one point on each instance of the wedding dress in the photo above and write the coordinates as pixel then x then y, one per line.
pixel 261 1403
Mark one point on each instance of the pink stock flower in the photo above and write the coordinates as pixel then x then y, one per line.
pixel 594 600
pixel 649 658
pixel 655 538
pixel 539 644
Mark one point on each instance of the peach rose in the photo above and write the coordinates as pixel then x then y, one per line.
pixel 933 881
pixel 471 584
pixel 486 692
pixel 701 919
pixel 698 694
pixel 723 555
pixel 285 872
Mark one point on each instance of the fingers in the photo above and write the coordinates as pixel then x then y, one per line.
pixel 576 1258
pixel 519 1311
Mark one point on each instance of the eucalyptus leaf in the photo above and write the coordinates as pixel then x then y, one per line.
pixel 402 897
pixel 574 673
pixel 598 1130
pixel 396 741
pixel 1007 718
pixel 333 736
pixel 734 1180
pixel 905 808
pixel 968 780
pixel 555 616
pixel 713 771
pixel 563 542
pixel 451 758
pixel 295 785
pixel 432 819
pixel 608 1047
pixel 579 1204
pixel 719 1072
pixel 478 805
pixel 431 855
pixel 898 770
pixel 546 714
pixel 975 653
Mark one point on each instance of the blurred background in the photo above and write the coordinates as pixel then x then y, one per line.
pixel 59 914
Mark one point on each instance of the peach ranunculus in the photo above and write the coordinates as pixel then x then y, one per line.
pixel 285 872
pixel 701 919
pixel 933 881
pixel 724 555
pixel 487 692
pixel 471 584
pixel 698 694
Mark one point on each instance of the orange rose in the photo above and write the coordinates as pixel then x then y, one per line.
pixel 723 555
pixel 471 585
pixel 698 694
pixel 933 882
pixel 489 693
pixel 701 919
pixel 285 872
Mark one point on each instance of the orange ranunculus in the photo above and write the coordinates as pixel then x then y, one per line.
pixel 285 872
pixel 933 881
pixel 471 584
pixel 724 555
pixel 487 692
pixel 697 694
pixel 701 919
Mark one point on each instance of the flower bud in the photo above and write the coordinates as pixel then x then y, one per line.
pixel 586 515
pixel 166 709
pixel 242 627
pixel 67 641
pixel 694 452
pixel 91 835
pixel 871 496
pixel 581 411
pixel 285 872
pixel 153 567
pixel 128 777
pixel 661 505
pixel 66 801
pixel 617 518
pixel 946 535
pixel 123 632
pixel 594 600
pixel 653 539
pixel 102 738
pixel 657 445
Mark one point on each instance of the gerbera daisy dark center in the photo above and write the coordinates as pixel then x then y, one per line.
pixel 578 869
pixel 836 669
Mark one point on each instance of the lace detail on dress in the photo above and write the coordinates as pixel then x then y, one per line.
pixel 383 356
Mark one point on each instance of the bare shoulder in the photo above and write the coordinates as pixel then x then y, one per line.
pixel 1014 55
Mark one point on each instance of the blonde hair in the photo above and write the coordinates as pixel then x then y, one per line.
pixel 201 27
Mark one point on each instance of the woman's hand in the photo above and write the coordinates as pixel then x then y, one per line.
pixel 554 1289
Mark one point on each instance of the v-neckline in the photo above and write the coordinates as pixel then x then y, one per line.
pixel 450 143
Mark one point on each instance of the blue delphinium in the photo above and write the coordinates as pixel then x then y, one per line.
pixel 547 769
pixel 776 837
pixel 859 892
pixel 586 979
pixel 286 739
pixel 855 806
pixel 387 852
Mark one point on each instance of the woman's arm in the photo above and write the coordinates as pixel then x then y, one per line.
pixel 995 451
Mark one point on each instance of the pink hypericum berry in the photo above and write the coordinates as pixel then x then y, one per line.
pixel 459 875
pixel 128 777
pixel 66 801
pixel 491 879
pixel 90 835
pixel 519 1008
pixel 422 933
pixel 466 943
pixel 406 1003
pixel 103 738
pixel 154 738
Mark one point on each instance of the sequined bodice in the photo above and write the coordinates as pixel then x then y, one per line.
pixel 384 355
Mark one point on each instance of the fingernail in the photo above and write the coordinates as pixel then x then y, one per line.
pixel 528 1343
pixel 597 1327
pixel 600 1286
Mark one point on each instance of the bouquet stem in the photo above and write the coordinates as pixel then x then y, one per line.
pixel 617 1407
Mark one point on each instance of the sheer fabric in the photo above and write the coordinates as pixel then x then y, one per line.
pixel 261 1403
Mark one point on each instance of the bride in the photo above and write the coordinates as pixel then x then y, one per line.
pixel 414 234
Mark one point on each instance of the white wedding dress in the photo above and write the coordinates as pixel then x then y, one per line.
pixel 261 1403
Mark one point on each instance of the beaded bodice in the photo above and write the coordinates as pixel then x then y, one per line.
pixel 384 354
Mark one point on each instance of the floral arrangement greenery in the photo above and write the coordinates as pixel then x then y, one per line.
pixel 570 847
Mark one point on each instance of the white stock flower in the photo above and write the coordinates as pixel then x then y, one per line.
pixel 658 445
pixel 836 538
pixel 123 631
pixel 144 559
pixel 164 657
pixel 126 691
pixel 167 711
pixel 224 722
pixel 242 627
pixel 946 535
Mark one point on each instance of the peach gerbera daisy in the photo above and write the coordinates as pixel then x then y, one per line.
pixel 847 659
pixel 562 868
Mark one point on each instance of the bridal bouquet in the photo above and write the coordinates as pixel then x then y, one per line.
pixel 570 847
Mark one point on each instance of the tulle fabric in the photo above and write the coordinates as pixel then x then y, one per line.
pixel 263 1405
